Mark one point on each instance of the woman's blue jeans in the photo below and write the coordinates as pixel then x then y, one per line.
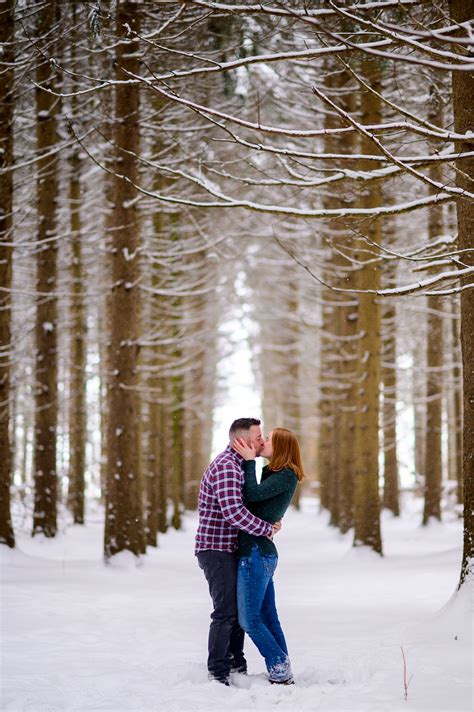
pixel 257 611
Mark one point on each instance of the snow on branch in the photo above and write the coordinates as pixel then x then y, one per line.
pixel 415 288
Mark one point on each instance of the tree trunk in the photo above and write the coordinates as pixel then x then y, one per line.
pixel 347 328
pixel 456 376
pixel 77 395
pixel 163 458
pixel 151 478
pixel 327 474
pixel 7 36
pixel 104 316
pixel 104 370
pixel 329 450
pixel 177 460
pixel 293 367
pixel 46 406
pixel 177 398
pixel 434 363
pixel 77 414
pixel 461 11
pixel 366 488
pixel 434 355
pixel 389 378
pixel 124 525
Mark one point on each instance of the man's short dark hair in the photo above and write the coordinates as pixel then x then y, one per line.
pixel 242 425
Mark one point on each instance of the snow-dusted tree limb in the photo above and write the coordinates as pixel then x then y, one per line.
pixel 307 12
pixel 416 288
pixel 216 67
pixel 463 63
pixel 391 157
pixel 340 175
pixel 225 201
pixel 393 37
pixel 47 154
pixel 206 111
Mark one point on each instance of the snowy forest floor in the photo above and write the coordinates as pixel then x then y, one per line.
pixel 80 636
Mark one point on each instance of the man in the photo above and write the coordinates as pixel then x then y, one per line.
pixel 221 514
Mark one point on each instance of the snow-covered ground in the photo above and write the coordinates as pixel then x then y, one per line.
pixel 79 636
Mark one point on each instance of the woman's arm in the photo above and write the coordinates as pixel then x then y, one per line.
pixel 278 482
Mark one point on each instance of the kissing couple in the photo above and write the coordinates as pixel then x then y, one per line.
pixel 234 546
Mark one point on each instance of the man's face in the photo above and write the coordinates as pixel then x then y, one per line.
pixel 255 438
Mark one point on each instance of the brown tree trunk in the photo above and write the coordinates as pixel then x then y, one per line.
pixel 151 477
pixel 77 395
pixel 389 379
pixel 327 475
pixel 107 124
pixel 366 488
pixel 293 368
pixel 163 458
pixel 177 398
pixel 104 370
pixel 462 11
pixel 347 332
pixel 434 363
pixel 456 376
pixel 124 525
pixel 196 396
pixel 434 356
pixel 419 419
pixel 77 414
pixel 7 36
pixel 46 413
pixel 328 447
pixel 177 444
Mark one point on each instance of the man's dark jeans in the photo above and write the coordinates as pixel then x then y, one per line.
pixel 226 637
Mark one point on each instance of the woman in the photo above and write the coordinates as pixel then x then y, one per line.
pixel 258 556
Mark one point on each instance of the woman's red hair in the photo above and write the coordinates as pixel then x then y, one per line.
pixel 286 453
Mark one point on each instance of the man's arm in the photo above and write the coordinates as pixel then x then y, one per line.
pixel 228 489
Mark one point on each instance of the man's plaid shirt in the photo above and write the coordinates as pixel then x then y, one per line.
pixel 221 509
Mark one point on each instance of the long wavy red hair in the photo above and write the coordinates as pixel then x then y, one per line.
pixel 286 453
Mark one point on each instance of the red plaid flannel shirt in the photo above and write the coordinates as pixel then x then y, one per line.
pixel 221 509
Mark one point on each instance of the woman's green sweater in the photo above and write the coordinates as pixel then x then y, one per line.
pixel 268 500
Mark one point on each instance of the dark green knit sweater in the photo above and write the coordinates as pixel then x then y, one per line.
pixel 268 500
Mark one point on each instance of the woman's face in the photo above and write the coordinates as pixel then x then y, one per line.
pixel 267 450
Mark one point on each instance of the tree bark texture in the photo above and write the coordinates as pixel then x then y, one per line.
pixel 46 405
pixel 124 525
pixel 434 355
pixel 463 107
pixel 7 36
pixel 78 350
pixel 366 489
